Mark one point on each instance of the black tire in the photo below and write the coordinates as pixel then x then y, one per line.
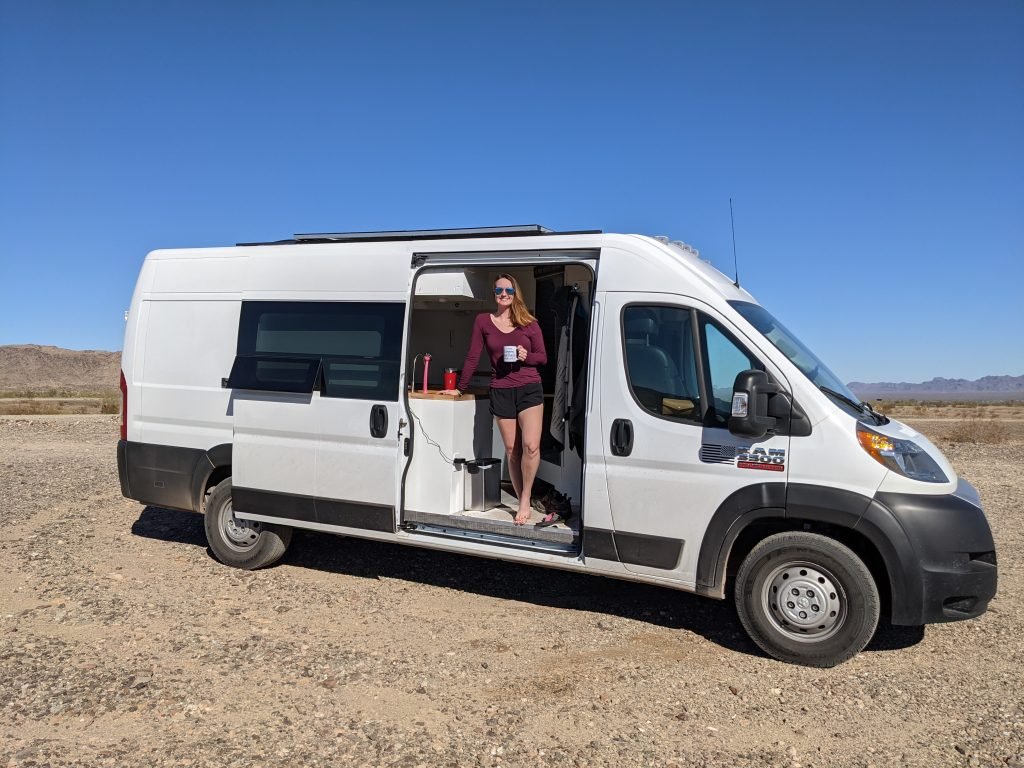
pixel 832 606
pixel 241 543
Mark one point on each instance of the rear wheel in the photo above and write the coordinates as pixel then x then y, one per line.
pixel 239 543
pixel 807 599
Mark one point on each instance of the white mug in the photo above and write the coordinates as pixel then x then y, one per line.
pixel 511 354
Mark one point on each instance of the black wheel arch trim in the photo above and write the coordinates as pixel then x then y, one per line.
pixel 212 459
pixel 814 504
pixel 739 509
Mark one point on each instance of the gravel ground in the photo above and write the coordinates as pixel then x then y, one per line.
pixel 122 642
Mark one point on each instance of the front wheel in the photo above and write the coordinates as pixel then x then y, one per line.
pixel 246 544
pixel 807 599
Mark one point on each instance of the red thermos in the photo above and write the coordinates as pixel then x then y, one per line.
pixel 450 378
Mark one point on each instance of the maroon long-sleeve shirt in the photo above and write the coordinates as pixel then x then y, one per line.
pixel 504 375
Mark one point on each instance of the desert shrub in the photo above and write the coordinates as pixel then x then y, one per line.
pixel 110 403
pixel 888 407
pixel 978 431
pixel 29 408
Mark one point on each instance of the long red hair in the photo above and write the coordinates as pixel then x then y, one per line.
pixel 518 312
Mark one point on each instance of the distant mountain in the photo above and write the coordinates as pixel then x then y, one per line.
pixel 34 367
pixel 985 388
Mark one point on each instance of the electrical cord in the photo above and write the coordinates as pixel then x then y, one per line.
pixel 429 440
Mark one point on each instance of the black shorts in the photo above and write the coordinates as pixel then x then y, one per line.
pixel 509 402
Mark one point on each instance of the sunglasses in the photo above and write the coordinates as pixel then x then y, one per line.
pixel 509 291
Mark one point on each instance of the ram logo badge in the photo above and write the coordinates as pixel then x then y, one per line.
pixel 744 457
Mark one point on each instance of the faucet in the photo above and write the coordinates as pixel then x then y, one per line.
pixel 426 371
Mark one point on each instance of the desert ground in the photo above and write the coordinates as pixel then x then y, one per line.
pixel 123 642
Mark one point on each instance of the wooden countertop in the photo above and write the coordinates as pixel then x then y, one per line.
pixel 435 394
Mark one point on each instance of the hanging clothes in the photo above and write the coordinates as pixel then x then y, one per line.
pixel 573 323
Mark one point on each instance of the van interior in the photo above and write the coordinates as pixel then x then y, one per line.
pixel 456 483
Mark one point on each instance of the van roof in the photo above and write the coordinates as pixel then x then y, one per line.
pixel 514 230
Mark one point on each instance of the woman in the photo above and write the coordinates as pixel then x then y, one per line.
pixel 517 398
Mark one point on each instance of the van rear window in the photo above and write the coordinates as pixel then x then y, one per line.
pixel 357 346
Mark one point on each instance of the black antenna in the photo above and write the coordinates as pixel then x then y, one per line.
pixel 735 264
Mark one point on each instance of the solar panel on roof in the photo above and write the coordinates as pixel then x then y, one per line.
pixel 424 234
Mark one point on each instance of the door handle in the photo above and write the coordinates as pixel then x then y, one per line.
pixel 622 437
pixel 379 421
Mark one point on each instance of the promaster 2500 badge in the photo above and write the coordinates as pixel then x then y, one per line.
pixel 745 457
pixel 772 459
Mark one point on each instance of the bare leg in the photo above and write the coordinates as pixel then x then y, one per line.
pixel 509 429
pixel 530 425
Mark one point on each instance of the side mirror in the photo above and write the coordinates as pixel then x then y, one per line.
pixel 750 394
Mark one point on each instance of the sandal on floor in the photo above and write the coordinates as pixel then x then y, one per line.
pixel 551 518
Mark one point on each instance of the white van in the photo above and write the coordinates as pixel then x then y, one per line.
pixel 280 385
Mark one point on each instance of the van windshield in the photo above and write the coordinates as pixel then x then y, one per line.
pixel 793 348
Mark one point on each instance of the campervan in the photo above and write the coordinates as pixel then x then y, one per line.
pixel 282 385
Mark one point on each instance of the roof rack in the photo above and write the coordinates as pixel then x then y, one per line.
pixel 518 230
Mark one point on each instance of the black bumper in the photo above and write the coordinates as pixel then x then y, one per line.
pixel 162 475
pixel 948 557
pixel 122 468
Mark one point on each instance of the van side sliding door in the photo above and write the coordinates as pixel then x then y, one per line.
pixel 317 413
pixel 272 382
pixel 360 416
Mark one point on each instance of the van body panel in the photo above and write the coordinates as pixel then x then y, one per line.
pixel 644 264
pixel 275 442
pixel 132 366
pixel 831 457
pixel 351 464
pixel 219 272
pixel 329 268
pixel 133 352
pixel 598 534
pixel 662 494
pixel 185 403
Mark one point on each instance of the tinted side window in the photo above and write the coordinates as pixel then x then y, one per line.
pixel 274 374
pixel 660 362
pixel 356 345
pixel 725 358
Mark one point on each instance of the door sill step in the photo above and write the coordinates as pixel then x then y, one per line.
pixel 498 539
pixel 498 521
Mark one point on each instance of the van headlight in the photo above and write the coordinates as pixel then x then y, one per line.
pixel 905 457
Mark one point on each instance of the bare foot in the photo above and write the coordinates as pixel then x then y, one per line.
pixel 522 516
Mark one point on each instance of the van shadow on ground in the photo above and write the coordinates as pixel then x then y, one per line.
pixel 714 620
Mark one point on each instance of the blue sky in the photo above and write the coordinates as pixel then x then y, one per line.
pixel 873 150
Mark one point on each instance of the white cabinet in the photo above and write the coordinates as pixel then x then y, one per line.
pixel 454 427
pixel 453 284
